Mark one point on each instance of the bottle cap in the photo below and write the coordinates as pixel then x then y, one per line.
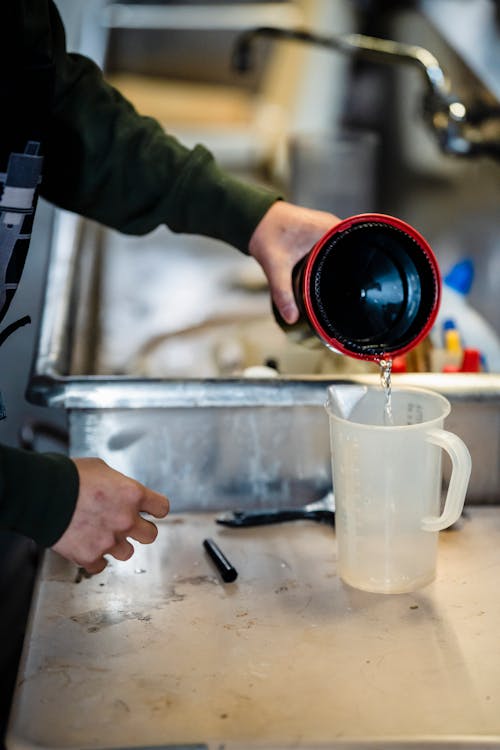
pixel 461 276
pixel 471 361
pixel 371 287
pixel 399 364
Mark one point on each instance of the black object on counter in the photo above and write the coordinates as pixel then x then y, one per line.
pixel 240 519
pixel 227 571
pixel 322 510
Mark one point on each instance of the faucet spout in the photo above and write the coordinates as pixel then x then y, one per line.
pixel 445 114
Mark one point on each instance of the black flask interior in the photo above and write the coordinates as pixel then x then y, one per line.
pixel 372 288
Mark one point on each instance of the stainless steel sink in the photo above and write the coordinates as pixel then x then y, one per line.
pixel 206 438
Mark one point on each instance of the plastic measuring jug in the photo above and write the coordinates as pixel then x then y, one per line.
pixel 387 481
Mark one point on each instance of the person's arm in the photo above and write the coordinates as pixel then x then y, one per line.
pixel 52 478
pixel 105 161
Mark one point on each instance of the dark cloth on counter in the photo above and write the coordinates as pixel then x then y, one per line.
pixel 103 160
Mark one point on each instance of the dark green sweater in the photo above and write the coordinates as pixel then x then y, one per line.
pixel 104 161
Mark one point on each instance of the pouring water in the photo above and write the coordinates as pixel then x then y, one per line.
pixel 385 382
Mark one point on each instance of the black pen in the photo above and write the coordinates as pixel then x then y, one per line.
pixel 227 571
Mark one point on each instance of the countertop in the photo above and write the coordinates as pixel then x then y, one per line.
pixel 158 651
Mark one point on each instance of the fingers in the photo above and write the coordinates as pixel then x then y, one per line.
pixel 122 551
pixel 155 504
pixel 278 270
pixel 143 531
pixel 97 566
pixel 286 305
pixel 107 514
pixel 283 236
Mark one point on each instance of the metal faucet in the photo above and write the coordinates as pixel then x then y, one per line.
pixel 458 129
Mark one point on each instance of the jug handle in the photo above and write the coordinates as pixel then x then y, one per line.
pixel 460 474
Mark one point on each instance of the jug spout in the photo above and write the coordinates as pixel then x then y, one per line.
pixel 343 399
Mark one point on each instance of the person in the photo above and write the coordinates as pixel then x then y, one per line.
pixel 72 138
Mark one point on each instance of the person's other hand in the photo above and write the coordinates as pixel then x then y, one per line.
pixel 106 515
pixel 283 236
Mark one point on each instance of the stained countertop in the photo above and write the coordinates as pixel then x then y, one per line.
pixel 158 651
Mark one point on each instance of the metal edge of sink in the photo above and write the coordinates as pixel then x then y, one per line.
pixel 49 384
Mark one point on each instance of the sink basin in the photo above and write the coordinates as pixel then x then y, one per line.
pixel 148 355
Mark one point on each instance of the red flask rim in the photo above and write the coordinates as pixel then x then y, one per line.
pixel 348 223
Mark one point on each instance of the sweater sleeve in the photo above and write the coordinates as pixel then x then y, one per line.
pixel 105 161
pixel 38 493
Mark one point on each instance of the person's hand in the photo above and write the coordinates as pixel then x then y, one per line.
pixel 283 236
pixel 106 515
